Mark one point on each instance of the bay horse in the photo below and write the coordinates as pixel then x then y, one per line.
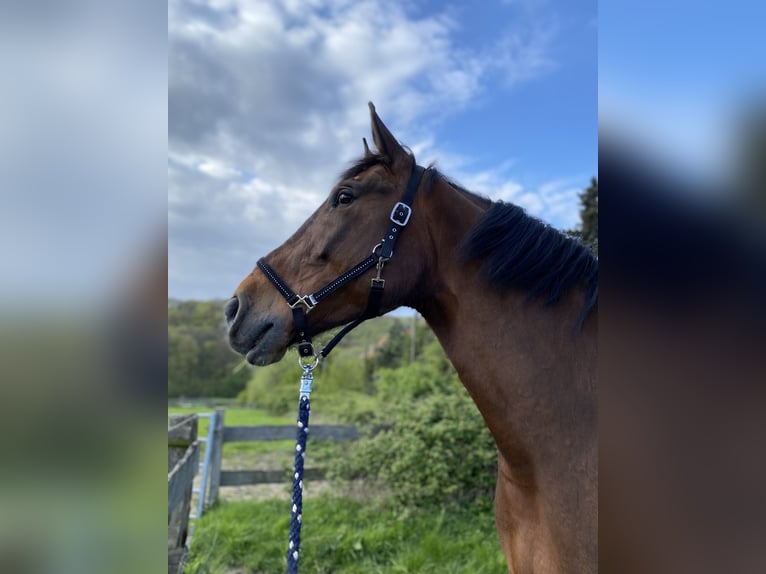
pixel 512 301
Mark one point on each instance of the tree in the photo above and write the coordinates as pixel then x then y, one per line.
pixel 589 214
pixel 394 352
pixel 587 230
pixel 183 356
pixel 200 363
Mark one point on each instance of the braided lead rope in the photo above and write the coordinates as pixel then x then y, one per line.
pixel 296 518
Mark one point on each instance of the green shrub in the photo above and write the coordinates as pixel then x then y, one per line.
pixel 434 449
pixel 340 373
pixel 274 388
pixel 339 384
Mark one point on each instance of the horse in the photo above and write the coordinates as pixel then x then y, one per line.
pixel 512 301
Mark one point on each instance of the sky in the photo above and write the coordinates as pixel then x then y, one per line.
pixel 679 78
pixel 267 104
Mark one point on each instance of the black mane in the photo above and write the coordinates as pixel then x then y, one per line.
pixel 520 251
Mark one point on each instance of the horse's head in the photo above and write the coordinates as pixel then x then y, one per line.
pixel 342 232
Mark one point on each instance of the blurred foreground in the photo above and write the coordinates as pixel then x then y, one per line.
pixel 682 391
pixel 83 289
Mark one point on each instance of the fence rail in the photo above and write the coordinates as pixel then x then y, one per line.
pixel 271 433
pixel 267 433
pixel 245 477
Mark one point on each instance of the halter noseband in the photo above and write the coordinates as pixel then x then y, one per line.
pixel 302 305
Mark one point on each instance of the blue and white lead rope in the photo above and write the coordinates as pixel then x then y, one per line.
pixel 304 409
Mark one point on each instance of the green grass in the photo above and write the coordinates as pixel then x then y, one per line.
pixel 342 536
pixel 243 417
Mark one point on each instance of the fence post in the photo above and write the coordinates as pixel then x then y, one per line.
pixel 217 446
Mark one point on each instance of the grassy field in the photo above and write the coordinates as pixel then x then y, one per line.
pixel 342 536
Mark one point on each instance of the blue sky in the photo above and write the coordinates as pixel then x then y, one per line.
pixel 267 103
pixel 677 78
pixel 548 123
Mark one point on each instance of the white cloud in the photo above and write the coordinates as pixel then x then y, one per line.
pixel 555 201
pixel 267 100
pixel 561 201
pixel 524 54
pixel 218 169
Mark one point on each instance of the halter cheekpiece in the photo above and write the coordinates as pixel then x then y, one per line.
pixel 302 305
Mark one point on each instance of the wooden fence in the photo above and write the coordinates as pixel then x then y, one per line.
pixel 271 433
pixel 183 463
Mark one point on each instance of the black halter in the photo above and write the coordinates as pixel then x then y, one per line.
pixel 301 305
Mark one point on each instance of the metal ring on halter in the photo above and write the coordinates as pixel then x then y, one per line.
pixel 381 246
pixel 309 366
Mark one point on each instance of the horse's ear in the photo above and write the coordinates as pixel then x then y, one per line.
pixel 367 152
pixel 384 140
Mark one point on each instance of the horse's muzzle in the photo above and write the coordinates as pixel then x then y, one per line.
pixel 261 338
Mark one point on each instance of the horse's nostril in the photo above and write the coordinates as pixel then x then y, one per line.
pixel 230 310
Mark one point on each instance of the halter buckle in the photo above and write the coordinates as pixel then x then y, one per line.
pixel 400 214
pixel 307 300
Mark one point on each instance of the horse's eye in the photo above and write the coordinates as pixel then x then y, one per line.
pixel 344 198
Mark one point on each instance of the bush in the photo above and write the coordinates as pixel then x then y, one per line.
pixel 274 388
pixel 339 383
pixel 434 450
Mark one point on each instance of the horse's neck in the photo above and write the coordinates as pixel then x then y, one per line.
pixel 522 363
pixel 531 375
